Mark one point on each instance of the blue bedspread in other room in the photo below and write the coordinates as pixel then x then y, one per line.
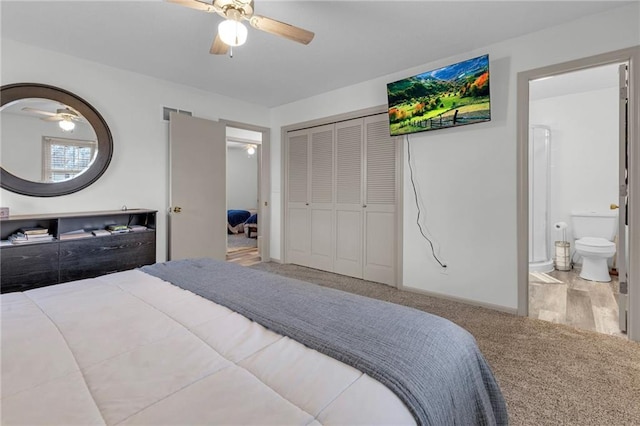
pixel 252 219
pixel 236 217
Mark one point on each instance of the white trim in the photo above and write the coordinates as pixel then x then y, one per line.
pixel 632 57
pixel 460 300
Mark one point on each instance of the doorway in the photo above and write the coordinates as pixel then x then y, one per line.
pixel 577 152
pixel 573 179
pixel 243 184
pixel 198 216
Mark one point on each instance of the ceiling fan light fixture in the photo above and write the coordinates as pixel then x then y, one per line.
pixel 232 32
pixel 67 125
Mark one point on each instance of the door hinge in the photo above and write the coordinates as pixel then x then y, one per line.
pixel 624 289
pixel 624 93
pixel 623 190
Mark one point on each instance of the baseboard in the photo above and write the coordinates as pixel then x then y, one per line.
pixel 513 311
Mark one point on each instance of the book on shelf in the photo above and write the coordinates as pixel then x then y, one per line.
pixel 100 232
pixel 36 237
pixel 33 230
pixel 20 238
pixel 137 228
pixel 73 235
pixel 113 228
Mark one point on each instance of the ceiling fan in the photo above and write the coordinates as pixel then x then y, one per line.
pixel 65 116
pixel 231 31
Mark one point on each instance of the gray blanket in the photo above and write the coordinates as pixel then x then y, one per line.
pixel 433 365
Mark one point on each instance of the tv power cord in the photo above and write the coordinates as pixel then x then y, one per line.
pixel 415 195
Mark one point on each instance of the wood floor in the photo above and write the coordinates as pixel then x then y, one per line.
pixel 565 298
pixel 244 256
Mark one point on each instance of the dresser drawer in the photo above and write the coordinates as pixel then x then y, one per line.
pixel 28 266
pixel 88 258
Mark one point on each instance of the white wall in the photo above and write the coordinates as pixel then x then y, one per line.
pixel 584 151
pixel 242 180
pixel 132 105
pixel 466 176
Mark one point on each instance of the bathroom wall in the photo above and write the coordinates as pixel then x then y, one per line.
pixel 584 151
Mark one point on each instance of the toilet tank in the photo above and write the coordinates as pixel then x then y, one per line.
pixel 595 224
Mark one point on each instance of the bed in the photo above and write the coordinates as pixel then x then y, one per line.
pixel 236 219
pixel 207 342
pixel 251 226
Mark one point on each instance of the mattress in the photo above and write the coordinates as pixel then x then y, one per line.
pixel 130 348
pixel 199 341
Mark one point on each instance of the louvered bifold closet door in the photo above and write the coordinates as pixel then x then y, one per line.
pixel 379 208
pixel 298 244
pixel 322 197
pixel 348 223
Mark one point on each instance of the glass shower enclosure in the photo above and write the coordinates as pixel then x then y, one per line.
pixel 540 259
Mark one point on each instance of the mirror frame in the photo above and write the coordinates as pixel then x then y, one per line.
pixel 14 92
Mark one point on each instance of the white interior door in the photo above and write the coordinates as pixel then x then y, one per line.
pixel 297 231
pixel 322 211
pixel 348 227
pixel 198 216
pixel 380 242
pixel 621 249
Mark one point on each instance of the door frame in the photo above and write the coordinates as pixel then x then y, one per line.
pixel 264 190
pixel 632 57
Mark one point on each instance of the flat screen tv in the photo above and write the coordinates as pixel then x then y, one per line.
pixel 454 95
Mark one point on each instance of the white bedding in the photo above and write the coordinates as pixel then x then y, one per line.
pixel 129 348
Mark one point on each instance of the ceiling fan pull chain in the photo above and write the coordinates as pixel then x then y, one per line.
pixel 231 51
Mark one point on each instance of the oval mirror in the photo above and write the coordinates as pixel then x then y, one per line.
pixel 53 142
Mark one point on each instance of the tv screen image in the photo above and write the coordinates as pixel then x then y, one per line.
pixel 454 95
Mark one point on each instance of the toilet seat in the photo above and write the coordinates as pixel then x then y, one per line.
pixel 595 245
pixel 595 252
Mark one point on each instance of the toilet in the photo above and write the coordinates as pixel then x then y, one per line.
pixel 594 233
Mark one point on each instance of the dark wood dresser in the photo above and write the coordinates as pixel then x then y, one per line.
pixel 37 264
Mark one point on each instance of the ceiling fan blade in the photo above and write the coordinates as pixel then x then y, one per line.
pixel 38 111
pixel 281 29
pixel 68 111
pixel 194 4
pixel 53 118
pixel 218 47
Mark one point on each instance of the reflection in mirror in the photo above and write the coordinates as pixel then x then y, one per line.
pixel 45 140
pixel 40 159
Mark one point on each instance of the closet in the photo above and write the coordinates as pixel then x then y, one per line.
pixel 342 198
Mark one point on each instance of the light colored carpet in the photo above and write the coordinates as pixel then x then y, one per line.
pixel 550 374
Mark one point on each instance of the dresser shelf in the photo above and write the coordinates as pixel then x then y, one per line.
pixel 31 265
